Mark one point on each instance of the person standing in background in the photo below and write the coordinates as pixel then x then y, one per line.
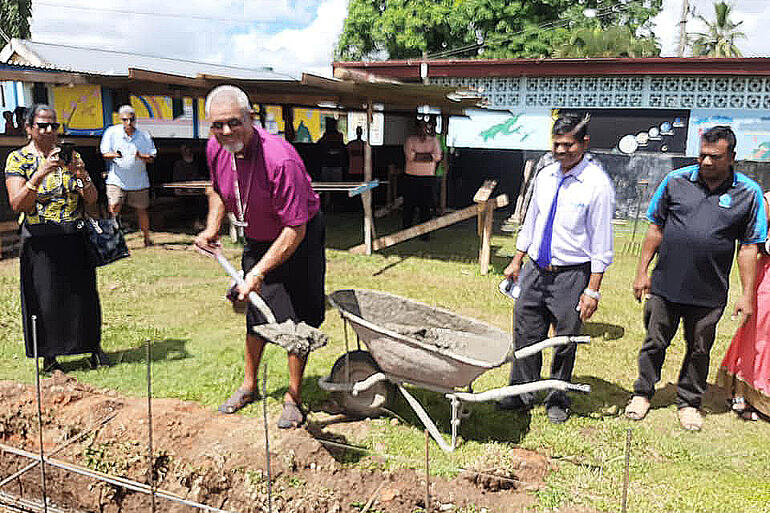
pixel 129 150
pixel 356 154
pixel 422 152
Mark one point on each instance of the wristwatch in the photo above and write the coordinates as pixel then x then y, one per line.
pixel 594 294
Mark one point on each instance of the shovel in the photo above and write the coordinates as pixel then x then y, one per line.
pixel 299 338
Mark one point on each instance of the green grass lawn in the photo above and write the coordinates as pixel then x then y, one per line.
pixel 174 298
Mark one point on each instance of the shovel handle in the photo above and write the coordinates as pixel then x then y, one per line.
pixel 257 301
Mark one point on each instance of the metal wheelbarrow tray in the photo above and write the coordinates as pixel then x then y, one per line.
pixel 429 347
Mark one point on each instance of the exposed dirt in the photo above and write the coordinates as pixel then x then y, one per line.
pixel 219 460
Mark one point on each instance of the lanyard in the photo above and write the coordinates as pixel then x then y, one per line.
pixel 240 206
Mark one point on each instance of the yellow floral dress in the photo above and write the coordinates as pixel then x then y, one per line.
pixel 57 197
pixel 58 283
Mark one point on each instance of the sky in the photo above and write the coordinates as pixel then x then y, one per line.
pixel 753 13
pixel 291 36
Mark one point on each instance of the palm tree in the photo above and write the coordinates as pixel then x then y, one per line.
pixel 719 38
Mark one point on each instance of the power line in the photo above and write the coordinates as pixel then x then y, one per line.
pixel 162 57
pixel 551 25
pixel 234 20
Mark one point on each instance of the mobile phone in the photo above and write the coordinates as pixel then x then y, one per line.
pixel 66 150
pixel 510 288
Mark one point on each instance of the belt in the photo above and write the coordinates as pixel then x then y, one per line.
pixel 555 269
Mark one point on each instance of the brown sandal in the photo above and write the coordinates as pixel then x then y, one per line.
pixel 638 407
pixel 240 399
pixel 292 416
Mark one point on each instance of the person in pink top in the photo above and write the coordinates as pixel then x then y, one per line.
pixel 262 180
pixel 422 152
pixel 745 370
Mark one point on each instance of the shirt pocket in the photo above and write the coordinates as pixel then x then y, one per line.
pixel 572 212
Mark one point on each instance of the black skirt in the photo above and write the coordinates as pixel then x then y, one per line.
pixel 58 285
pixel 295 289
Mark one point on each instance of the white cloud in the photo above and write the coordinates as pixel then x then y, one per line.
pixel 308 49
pixel 288 35
pixel 753 13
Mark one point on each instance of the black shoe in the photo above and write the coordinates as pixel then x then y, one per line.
pixel 50 365
pixel 99 359
pixel 557 413
pixel 513 403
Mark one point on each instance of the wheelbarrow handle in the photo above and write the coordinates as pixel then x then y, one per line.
pixel 255 299
pixel 551 342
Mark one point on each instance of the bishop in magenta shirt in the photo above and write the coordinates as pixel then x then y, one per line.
pixel 274 186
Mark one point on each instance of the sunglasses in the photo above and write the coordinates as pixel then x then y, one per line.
pixel 42 125
pixel 232 123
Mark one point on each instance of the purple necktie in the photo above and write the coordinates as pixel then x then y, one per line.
pixel 544 253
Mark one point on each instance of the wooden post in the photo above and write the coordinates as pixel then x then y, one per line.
pixel 481 197
pixel 521 210
pixel 484 218
pixel 445 162
pixel 366 197
pixel 485 251
pixel 288 122
pixel 428 226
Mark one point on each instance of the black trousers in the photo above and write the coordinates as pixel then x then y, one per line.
pixel 547 297
pixel 420 193
pixel 661 320
pixel 295 289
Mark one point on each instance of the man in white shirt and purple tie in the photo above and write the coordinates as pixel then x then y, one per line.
pixel 567 234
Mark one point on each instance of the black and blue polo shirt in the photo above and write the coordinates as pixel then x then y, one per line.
pixel 700 229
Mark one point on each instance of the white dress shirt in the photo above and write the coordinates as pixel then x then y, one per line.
pixel 128 172
pixel 582 229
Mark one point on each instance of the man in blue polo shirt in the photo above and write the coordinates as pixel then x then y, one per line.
pixel 697 214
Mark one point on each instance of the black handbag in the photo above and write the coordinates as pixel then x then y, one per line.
pixel 104 240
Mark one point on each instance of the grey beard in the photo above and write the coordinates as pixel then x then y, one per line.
pixel 233 148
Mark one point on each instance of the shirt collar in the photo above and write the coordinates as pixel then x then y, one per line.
pixel 694 175
pixel 576 172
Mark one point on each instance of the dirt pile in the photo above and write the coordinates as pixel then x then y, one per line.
pixel 219 460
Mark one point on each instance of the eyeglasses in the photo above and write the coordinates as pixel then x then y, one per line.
pixel 232 123
pixel 42 125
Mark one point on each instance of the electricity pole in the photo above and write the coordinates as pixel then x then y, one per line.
pixel 683 29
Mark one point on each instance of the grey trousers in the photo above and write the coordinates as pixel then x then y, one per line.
pixel 547 297
pixel 661 320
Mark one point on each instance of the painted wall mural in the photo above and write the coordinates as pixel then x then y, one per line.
pixel 79 108
pixel 528 129
pixel 160 117
pixel 752 129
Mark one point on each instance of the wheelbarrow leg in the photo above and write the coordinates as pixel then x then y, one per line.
pixel 427 421
pixel 456 416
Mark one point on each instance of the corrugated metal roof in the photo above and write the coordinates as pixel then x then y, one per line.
pixel 116 63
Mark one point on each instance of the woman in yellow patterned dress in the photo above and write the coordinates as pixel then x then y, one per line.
pixel 58 284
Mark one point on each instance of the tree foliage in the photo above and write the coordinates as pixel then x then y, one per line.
pixel 14 17
pixel 719 38
pixel 399 29
pixel 609 42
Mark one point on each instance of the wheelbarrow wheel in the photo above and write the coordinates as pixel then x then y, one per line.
pixel 368 403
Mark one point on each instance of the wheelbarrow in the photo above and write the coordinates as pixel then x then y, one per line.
pixel 413 343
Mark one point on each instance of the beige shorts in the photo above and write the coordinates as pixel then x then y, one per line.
pixel 137 199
